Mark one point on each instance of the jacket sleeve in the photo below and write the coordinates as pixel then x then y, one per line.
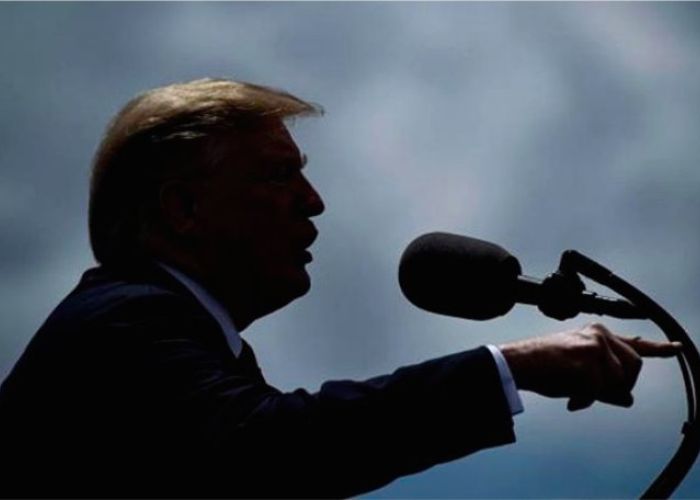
pixel 348 438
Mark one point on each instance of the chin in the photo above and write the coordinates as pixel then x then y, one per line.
pixel 302 283
pixel 294 285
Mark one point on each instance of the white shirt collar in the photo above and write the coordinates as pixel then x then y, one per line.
pixel 212 305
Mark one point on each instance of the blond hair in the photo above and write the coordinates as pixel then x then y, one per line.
pixel 164 133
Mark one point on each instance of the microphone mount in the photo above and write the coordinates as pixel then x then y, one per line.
pixel 562 295
pixel 562 290
pixel 566 294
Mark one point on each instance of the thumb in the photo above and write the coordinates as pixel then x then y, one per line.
pixel 579 403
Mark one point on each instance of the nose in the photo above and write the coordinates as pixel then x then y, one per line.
pixel 312 204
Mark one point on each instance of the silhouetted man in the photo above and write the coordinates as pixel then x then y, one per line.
pixel 139 384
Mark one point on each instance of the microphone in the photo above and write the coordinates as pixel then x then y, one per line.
pixel 470 278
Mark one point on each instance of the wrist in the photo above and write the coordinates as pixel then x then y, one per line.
pixel 518 359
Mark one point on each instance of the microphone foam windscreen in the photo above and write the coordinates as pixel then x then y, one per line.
pixel 459 276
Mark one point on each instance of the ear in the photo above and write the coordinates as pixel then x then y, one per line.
pixel 177 203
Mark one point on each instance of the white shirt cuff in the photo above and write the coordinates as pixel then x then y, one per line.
pixel 509 389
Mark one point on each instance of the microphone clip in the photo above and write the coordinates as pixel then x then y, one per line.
pixel 561 293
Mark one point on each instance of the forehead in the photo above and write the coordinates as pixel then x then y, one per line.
pixel 267 141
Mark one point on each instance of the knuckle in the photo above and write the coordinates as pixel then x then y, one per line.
pixel 600 328
pixel 601 341
pixel 586 334
pixel 596 345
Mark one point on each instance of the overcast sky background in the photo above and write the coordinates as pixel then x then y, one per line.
pixel 540 127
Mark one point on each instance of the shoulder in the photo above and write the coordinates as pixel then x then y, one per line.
pixel 106 303
pixel 114 297
pixel 105 328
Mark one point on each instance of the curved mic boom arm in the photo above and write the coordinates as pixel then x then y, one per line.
pixel 573 263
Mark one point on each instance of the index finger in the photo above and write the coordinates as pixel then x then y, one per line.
pixel 652 349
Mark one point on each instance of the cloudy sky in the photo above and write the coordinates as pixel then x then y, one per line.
pixel 540 127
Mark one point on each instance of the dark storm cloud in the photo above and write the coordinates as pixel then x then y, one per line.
pixel 539 126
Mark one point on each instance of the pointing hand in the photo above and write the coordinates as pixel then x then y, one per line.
pixel 585 365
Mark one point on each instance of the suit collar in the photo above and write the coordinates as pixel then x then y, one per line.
pixel 213 306
pixel 139 272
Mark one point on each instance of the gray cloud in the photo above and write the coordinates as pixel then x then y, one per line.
pixel 539 126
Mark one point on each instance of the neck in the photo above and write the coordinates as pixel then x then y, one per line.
pixel 234 299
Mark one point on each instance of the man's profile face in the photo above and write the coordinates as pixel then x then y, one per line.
pixel 254 212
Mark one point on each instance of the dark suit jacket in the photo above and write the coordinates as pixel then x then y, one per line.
pixel 130 389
